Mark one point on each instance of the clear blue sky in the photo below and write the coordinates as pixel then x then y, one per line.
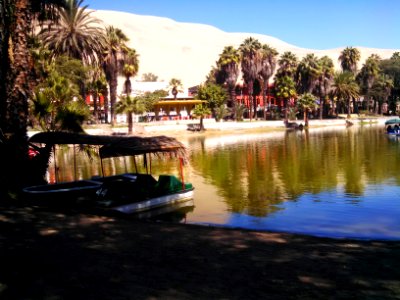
pixel 316 24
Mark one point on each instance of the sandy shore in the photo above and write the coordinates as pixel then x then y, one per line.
pixel 180 127
pixel 71 255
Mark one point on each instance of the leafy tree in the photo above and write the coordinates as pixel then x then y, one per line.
pixel 130 105
pixel 214 94
pixel 76 33
pixel 114 44
pixel 228 63
pixel 201 111
pixel 150 98
pixel 251 66
pixel 149 77
pixel 306 102
pixel 175 86
pixel 380 90
pixel 56 105
pixel 285 88
pixel 391 67
pixel 345 88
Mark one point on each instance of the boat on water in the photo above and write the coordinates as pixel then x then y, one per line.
pixel 392 126
pixel 127 193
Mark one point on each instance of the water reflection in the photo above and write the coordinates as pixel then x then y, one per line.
pixel 329 182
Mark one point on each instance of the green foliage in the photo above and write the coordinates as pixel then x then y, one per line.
pixel 151 98
pixel 130 105
pixel 71 116
pixel 285 87
pixel 214 94
pixel 239 110
pixel 56 104
pixel 201 111
pixel 221 112
pixel 306 101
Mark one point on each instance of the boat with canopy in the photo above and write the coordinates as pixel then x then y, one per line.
pixel 128 192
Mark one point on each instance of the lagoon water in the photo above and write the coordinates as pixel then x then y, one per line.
pixel 328 182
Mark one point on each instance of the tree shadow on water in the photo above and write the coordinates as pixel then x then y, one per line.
pixel 70 255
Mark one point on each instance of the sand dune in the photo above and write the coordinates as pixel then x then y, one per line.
pixel 187 51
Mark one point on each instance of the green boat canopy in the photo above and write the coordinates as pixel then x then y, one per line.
pixel 393 121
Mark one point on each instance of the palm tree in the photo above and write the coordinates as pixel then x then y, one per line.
pixel 130 67
pixel 175 86
pixel 228 62
pixel 130 105
pixel 325 80
pixel 16 21
pixel 114 44
pixel 251 66
pixel 268 66
pixel 307 73
pixel 369 73
pixel 76 34
pixel 349 58
pixel 306 103
pixel 287 64
pixel 345 88
pixel 286 89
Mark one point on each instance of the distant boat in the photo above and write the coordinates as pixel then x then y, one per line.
pixel 126 193
pixel 393 126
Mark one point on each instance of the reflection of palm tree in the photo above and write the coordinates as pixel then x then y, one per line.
pixel 251 65
pixel 115 41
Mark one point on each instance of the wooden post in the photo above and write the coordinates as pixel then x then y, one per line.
pixel 181 171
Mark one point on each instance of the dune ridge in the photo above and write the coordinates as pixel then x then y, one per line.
pixel 187 51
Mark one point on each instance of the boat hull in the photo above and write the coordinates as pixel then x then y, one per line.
pixel 154 203
pixel 62 193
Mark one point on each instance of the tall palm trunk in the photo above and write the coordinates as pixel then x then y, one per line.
pixel 113 98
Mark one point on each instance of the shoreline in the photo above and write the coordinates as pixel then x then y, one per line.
pixel 180 127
